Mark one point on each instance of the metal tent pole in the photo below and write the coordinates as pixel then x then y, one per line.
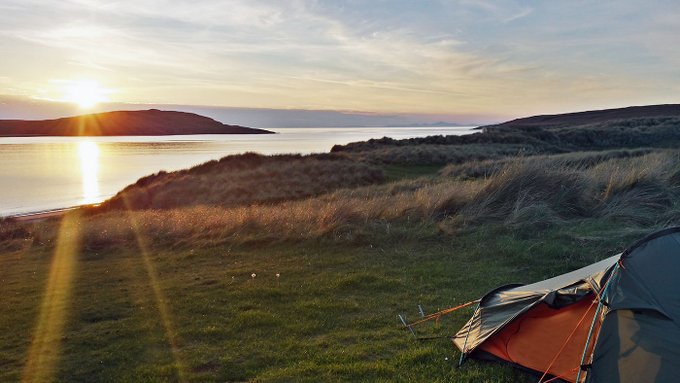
pixel 592 324
pixel 462 352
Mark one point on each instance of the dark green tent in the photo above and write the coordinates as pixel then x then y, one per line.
pixel 617 320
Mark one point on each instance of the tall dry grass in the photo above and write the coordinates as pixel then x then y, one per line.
pixel 579 160
pixel 440 154
pixel 245 179
pixel 524 194
pixel 546 191
pixel 349 214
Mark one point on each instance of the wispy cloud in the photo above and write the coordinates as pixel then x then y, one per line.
pixel 430 56
pixel 520 14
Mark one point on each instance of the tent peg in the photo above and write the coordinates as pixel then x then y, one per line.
pixel 403 320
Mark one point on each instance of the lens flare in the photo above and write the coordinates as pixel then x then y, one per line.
pixel 43 353
pixel 165 314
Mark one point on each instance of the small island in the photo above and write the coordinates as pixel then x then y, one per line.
pixel 152 122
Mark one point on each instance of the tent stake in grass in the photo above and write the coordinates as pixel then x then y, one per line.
pixel 403 320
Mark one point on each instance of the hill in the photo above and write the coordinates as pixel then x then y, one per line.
pixel 152 122
pixel 593 116
pixel 639 126
pixel 245 179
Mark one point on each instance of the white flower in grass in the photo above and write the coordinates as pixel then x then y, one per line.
pixel 253 275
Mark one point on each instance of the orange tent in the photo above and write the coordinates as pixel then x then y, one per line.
pixel 617 320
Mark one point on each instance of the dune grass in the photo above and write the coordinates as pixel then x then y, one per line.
pixel 167 295
pixel 526 194
pixel 658 132
pixel 245 179
pixel 573 160
pixel 438 154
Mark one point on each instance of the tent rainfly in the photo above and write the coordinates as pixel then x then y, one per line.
pixel 617 320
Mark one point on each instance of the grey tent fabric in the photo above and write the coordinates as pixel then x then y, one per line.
pixel 650 278
pixel 640 336
pixel 636 346
pixel 638 339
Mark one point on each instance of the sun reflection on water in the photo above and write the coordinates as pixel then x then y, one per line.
pixel 88 152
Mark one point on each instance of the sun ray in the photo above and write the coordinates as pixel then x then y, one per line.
pixel 43 353
pixel 159 296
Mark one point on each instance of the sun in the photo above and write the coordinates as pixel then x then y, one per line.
pixel 85 93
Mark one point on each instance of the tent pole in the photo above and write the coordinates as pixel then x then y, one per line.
pixel 462 352
pixel 592 324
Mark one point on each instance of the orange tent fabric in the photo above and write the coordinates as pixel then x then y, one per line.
pixel 542 335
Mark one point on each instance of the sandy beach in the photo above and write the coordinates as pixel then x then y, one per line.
pixel 40 216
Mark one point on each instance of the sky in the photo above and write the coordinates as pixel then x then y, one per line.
pixel 463 60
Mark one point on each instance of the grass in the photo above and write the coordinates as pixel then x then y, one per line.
pixel 245 179
pixel 168 295
pixel 433 154
pixel 400 172
pixel 574 160
pixel 526 195
pixel 329 316
pixel 499 141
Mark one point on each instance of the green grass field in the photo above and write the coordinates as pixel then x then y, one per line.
pixel 150 313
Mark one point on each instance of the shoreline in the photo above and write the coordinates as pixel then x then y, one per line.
pixel 41 215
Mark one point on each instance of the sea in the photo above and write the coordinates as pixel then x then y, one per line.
pixel 40 174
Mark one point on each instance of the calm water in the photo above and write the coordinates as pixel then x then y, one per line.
pixel 44 173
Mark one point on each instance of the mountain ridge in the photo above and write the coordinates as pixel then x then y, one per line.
pixel 591 116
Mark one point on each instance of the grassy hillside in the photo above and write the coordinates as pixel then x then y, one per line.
pixel 595 116
pixel 245 179
pixel 526 139
pixel 302 279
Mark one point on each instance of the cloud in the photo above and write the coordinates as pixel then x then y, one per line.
pixel 430 56
pixel 520 14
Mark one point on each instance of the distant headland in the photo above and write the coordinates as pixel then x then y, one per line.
pixel 152 122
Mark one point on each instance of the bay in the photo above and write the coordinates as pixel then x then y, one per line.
pixel 47 173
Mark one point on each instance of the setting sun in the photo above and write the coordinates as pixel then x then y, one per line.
pixel 85 93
